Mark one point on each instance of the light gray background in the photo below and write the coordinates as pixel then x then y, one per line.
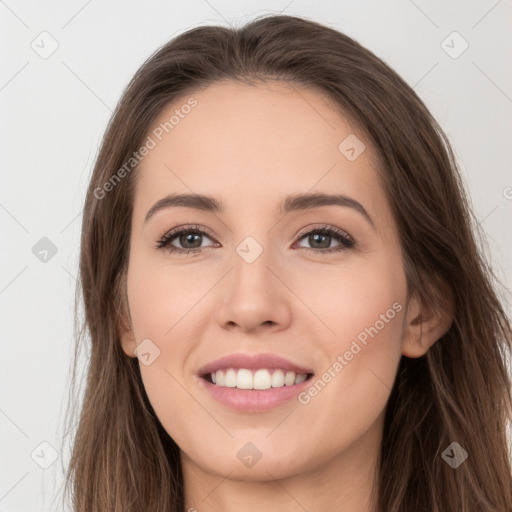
pixel 55 110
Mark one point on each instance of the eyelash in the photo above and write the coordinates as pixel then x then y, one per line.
pixel 346 241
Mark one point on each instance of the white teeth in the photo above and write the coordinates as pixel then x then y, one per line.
pixel 301 377
pixel 278 379
pixel 260 379
pixel 244 379
pixel 230 378
pixel 219 376
pixel 289 378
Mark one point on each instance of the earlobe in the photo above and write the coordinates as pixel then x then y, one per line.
pixel 126 337
pixel 425 324
pixel 124 324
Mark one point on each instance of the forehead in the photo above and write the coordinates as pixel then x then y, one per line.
pixel 255 143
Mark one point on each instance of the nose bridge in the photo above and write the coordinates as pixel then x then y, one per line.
pixel 250 249
pixel 257 248
pixel 251 261
pixel 252 294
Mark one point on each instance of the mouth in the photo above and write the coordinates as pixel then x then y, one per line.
pixel 253 383
pixel 259 379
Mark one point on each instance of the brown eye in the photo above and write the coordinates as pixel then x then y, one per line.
pixel 190 238
pixel 320 240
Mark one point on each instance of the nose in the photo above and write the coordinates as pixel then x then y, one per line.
pixel 253 296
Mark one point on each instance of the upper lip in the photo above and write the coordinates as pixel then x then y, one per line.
pixel 252 362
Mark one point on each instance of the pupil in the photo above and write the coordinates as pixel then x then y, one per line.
pixel 186 238
pixel 325 237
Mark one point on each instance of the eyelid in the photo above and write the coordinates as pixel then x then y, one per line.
pixel 184 228
pixel 323 227
pixel 346 242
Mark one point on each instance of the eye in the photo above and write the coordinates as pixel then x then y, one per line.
pixel 190 239
pixel 187 236
pixel 321 237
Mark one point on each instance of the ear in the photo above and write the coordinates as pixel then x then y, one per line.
pixel 126 337
pixel 426 322
pixel 124 323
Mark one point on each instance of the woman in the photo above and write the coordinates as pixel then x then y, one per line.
pixel 286 304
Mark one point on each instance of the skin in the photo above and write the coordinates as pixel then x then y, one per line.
pixel 249 146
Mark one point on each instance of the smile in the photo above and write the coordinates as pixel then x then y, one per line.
pixel 253 382
pixel 261 379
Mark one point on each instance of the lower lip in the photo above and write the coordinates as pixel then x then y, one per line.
pixel 253 400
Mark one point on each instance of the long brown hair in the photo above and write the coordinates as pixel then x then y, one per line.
pixel 460 391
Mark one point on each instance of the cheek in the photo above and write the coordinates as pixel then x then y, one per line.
pixel 360 310
pixel 166 309
pixel 162 296
pixel 349 301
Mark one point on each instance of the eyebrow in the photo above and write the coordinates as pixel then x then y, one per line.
pixel 290 203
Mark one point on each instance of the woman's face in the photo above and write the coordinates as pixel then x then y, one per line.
pixel 251 283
